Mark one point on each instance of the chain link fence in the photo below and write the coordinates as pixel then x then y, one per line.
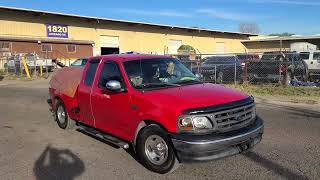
pixel 285 68
pixel 25 65
pixel 282 68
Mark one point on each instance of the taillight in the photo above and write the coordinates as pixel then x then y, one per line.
pixel 282 68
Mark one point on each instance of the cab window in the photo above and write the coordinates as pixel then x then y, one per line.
pixel 91 72
pixel 110 71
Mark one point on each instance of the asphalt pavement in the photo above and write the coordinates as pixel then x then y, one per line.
pixel 33 147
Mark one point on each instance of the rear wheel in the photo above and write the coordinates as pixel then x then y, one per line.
pixel 155 151
pixel 61 116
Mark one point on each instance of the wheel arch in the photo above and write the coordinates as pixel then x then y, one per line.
pixel 143 124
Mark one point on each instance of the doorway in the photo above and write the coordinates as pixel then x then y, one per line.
pixel 109 50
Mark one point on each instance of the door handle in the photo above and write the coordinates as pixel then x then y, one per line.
pixel 106 96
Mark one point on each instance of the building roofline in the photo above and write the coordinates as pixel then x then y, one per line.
pixel 124 21
pixel 290 38
pixel 44 40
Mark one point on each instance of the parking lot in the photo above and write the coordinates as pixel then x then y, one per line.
pixel 33 147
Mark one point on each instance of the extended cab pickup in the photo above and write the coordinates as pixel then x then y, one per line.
pixel 157 106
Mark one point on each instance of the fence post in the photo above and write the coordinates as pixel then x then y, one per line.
pixel 41 70
pixel 35 66
pixel 215 74
pixel 235 72
pixel 47 73
pixel 7 65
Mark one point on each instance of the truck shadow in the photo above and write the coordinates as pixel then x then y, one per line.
pixel 58 164
pixel 274 167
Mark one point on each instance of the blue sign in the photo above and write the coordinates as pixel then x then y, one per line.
pixel 57 30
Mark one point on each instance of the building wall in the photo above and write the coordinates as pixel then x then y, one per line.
pixel 140 38
pixel 266 46
pixel 58 50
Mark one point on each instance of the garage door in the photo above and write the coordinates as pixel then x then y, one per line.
pixel 109 41
pixel 220 47
pixel 173 46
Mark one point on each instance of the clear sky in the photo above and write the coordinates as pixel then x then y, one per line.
pixel 273 16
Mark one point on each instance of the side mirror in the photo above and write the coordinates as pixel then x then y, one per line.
pixel 113 85
pixel 199 76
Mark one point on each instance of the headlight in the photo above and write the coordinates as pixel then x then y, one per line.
pixel 193 124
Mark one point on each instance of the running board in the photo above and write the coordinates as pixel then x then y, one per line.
pixel 110 139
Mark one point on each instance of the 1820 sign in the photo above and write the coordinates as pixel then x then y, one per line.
pixel 57 30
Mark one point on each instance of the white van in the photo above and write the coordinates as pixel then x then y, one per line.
pixel 312 58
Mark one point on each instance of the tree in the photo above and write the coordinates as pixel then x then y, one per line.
pixel 251 28
pixel 285 34
pixel 186 48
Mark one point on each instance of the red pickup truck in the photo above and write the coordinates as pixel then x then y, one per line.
pixel 158 107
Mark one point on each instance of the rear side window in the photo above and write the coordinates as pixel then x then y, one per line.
pixel 110 71
pixel 305 55
pixel 84 62
pixel 91 72
pixel 316 55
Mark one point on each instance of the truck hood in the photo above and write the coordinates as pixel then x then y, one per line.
pixel 193 96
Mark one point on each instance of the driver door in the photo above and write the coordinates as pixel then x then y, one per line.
pixel 111 110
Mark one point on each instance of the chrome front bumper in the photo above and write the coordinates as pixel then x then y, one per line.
pixel 215 146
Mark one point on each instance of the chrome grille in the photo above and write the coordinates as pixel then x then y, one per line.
pixel 233 118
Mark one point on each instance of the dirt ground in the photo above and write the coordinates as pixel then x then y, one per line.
pixel 33 147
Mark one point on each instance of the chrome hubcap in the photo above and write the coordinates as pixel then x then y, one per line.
pixel 156 149
pixel 61 115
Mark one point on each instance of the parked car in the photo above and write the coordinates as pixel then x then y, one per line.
pixel 278 67
pixel 245 59
pixel 80 62
pixel 312 59
pixel 221 69
pixel 156 105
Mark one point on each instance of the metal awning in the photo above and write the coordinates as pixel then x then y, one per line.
pixel 45 40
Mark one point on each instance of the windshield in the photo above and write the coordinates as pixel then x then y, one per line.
pixel 160 72
pixel 79 62
pixel 275 57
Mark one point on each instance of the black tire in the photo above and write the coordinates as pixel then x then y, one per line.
pixel 64 122
pixel 170 164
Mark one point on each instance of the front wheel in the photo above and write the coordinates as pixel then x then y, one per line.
pixel 155 151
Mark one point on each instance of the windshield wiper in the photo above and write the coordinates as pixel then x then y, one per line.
pixel 150 85
pixel 193 81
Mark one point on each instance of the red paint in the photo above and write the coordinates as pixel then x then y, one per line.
pixel 120 113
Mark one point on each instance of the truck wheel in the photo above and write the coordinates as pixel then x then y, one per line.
pixel 155 151
pixel 61 116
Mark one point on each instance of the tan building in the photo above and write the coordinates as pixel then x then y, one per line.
pixel 65 36
pixel 273 43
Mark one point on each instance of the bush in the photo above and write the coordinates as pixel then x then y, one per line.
pixel 186 48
